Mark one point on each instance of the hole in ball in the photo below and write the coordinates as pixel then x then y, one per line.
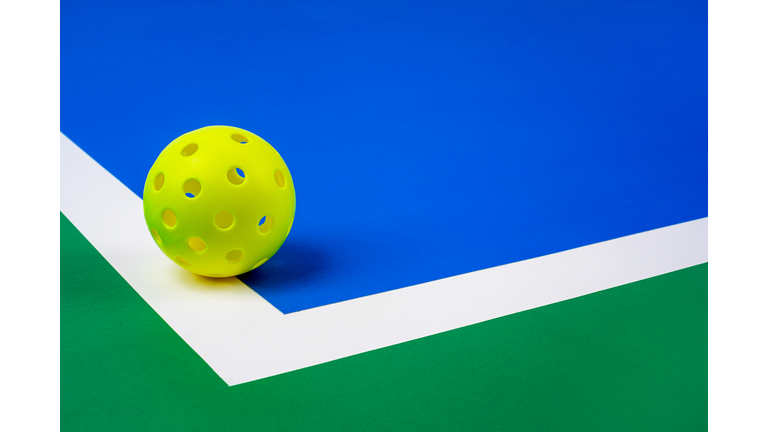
pixel 189 150
pixel 279 178
pixel 156 236
pixel 259 263
pixel 224 219
pixel 159 180
pixel 239 138
pixel 265 224
pixel 192 188
pixel 234 255
pixel 196 244
pixel 236 176
pixel 169 217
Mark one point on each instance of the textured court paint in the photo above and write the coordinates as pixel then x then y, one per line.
pixel 632 358
pixel 426 139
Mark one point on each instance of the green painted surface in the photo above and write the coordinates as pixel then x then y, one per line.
pixel 632 358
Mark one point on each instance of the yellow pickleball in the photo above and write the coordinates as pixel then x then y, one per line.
pixel 219 201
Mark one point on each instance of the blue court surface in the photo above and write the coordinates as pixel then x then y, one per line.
pixel 425 139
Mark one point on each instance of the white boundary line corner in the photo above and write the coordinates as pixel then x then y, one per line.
pixel 244 338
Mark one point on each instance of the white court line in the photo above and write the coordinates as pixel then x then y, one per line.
pixel 244 338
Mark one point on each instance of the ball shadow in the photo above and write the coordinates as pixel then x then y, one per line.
pixel 295 261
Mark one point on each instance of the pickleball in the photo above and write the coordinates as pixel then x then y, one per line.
pixel 219 201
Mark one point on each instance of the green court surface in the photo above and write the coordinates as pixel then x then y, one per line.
pixel 631 358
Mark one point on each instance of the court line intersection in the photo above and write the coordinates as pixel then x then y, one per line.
pixel 243 337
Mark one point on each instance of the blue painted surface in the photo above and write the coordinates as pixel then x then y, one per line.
pixel 426 139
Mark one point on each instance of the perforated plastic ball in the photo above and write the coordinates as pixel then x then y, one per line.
pixel 219 201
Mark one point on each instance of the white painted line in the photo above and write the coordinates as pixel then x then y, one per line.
pixel 244 338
